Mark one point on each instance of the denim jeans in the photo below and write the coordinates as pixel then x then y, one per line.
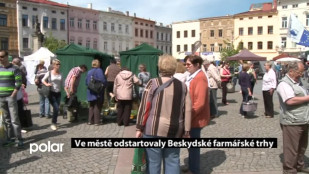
pixel 44 105
pixel 8 105
pixel 170 157
pixel 54 100
pixel 194 153
pixel 245 96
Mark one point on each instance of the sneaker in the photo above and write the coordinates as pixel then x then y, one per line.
pixel 53 127
pixel 9 143
pixel 24 131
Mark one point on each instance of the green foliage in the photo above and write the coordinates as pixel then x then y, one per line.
pixel 53 44
pixel 230 51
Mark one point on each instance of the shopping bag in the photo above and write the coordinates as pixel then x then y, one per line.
pixel 26 119
pixel 139 161
pixel 25 96
pixel 2 126
pixel 250 106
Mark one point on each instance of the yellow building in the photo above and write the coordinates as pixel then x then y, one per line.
pixel 258 30
pixel 8 27
pixel 216 34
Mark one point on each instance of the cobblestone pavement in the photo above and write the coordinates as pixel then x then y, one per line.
pixel 213 161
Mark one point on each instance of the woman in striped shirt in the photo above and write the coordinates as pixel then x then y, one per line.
pixel 165 112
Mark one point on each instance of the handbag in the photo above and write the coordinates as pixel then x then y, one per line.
pixel 230 87
pixel 94 85
pixel 139 161
pixel 249 106
pixel 46 89
pixel 26 118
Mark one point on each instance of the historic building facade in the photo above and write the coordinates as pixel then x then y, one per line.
pixel 164 38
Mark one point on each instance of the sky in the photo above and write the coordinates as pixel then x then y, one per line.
pixel 169 11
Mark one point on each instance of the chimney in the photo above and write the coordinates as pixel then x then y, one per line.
pixel 134 14
pixel 127 12
pixel 89 6
pixel 109 9
pixel 275 4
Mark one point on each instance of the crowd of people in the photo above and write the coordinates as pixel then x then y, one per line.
pixel 177 104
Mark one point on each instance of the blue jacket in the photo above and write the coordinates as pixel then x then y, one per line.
pixel 98 74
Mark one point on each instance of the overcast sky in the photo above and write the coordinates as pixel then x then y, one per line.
pixel 169 11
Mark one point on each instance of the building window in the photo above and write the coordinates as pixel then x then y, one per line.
pixel 260 30
pixel 270 16
pixel 2 4
pixel 146 24
pixel 25 21
pixel 185 47
pixel 260 45
pixel 307 20
pixel 166 37
pixel 212 47
pixel 72 40
pixel 105 46
pixel 178 48
pixel 62 24
pixel 284 23
pixel 113 46
pixel 162 36
pixel 204 47
pixel 192 33
pixel 4 43
pixel 185 34
pixel 142 24
pixel 88 43
pixel 151 34
pixel 250 45
pixel 260 17
pixel 54 11
pixel 250 17
pixel 158 35
pixel 94 25
pixel 104 26
pixel 87 24
pixel 284 7
pixel 241 31
pixel 270 45
pixel 220 47
pixel 142 33
pixel 62 13
pixel 241 19
pixel 192 48
pixel 72 22
pixel 136 22
pixel 178 34
pixel 120 28
pixel 45 22
pixel 24 8
pixel 283 42
pixel 80 41
pixel 33 21
pixel 25 43
pixel 212 33
pixel 220 33
pixel 35 9
pixel 3 20
pixel 270 30
pixel 307 3
pixel 79 23
pixel 295 5
pixel 54 23
pixel 241 45
pixel 95 44
pixel 112 27
pixel 146 33
pixel 136 32
pixel 250 30
pixel 127 29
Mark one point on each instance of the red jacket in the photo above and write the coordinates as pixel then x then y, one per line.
pixel 200 101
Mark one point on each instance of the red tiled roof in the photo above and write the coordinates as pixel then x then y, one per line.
pixel 47 2
pixel 256 12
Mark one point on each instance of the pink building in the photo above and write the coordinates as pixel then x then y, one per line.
pixel 83 26
pixel 144 31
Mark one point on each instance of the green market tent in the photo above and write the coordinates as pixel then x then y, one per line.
pixel 142 54
pixel 74 55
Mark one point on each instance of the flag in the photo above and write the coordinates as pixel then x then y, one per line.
pixel 297 32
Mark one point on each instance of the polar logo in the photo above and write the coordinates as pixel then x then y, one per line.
pixel 46 147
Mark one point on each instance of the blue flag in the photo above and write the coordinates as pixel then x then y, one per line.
pixel 297 32
pixel 304 40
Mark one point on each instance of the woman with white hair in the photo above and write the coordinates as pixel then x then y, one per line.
pixel 268 88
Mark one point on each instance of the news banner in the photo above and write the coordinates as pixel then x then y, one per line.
pixel 174 143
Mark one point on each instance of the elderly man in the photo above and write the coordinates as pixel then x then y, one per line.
pixel 10 82
pixel 214 81
pixel 294 117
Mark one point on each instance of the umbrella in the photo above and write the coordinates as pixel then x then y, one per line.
pixel 246 55
pixel 288 59
pixel 283 55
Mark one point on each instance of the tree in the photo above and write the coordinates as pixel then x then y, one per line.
pixel 229 51
pixel 53 44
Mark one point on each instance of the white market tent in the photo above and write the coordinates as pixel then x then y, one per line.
pixel 32 60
